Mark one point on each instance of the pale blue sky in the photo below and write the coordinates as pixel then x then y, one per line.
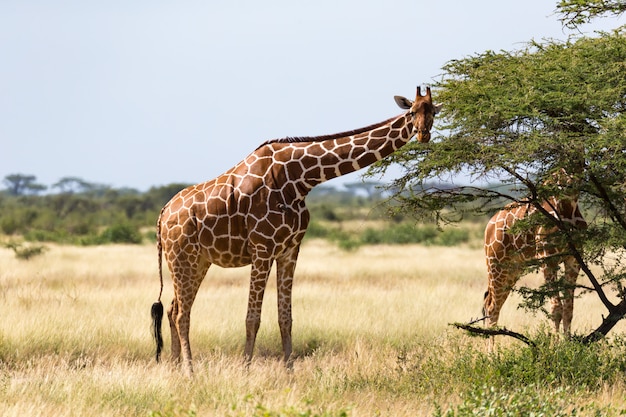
pixel 150 92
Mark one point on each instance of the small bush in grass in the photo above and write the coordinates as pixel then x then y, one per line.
pixel 317 230
pixel 25 252
pixel 120 233
pixel 524 401
pixel 9 225
pixel 453 237
pixel 254 408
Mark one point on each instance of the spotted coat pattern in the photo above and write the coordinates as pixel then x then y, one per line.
pixel 255 214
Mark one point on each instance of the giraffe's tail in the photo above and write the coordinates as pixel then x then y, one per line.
pixel 157 319
pixel 157 308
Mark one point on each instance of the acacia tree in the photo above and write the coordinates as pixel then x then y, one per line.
pixel 71 185
pixel 513 118
pixel 20 184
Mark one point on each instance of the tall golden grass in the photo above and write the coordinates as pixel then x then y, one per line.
pixel 75 333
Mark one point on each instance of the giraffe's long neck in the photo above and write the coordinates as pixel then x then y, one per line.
pixel 312 161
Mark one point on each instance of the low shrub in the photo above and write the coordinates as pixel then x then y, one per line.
pixel 516 380
pixel 392 234
pixel 406 233
pixel 120 233
pixel 25 252
pixel 524 401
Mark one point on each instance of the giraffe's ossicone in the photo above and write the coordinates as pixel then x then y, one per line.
pixel 255 214
pixel 508 251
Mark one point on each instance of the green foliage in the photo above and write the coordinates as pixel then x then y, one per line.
pixel 9 225
pixel 83 213
pixel 251 410
pixel 87 214
pixel 517 380
pixel 254 408
pixel 120 233
pixel 331 214
pixel 390 234
pixel 25 252
pixel 172 410
pixel 409 233
pixel 524 401
pixel 516 116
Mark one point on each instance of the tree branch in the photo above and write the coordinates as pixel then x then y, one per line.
pixel 604 195
pixel 494 331
pixel 615 314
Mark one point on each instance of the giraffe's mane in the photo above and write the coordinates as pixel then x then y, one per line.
pixel 302 139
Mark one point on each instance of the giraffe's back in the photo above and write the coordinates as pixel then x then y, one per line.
pixel 205 220
pixel 503 244
pixel 226 219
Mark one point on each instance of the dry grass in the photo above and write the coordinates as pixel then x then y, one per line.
pixel 74 339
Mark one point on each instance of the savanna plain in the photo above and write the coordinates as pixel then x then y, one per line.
pixel 372 336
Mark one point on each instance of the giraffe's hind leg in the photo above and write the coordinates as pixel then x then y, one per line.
pixel 172 313
pixel 185 290
pixel 550 271
pixel 572 268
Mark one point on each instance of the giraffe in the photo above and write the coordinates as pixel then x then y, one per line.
pixel 255 214
pixel 506 252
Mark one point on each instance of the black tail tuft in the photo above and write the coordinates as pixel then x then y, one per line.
pixel 157 318
pixel 485 307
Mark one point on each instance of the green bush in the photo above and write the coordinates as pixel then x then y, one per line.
pixel 120 233
pixel 523 401
pixel 392 234
pixel 9 225
pixel 254 408
pixel 317 230
pixel 25 252
pixel 453 237
pixel 406 233
pixel 517 380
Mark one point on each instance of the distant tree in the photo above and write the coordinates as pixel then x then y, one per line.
pixel 20 184
pixel 162 194
pixel 70 185
pixel 372 189
pixel 323 189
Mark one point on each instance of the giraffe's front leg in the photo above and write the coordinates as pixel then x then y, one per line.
pixel 500 280
pixel 258 280
pixel 285 272
pixel 550 272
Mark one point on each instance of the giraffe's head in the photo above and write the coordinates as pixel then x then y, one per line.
pixel 565 183
pixel 422 111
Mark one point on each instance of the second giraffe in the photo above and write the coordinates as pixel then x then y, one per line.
pixel 507 252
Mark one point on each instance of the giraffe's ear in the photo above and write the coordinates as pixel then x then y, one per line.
pixel 438 107
pixel 403 102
